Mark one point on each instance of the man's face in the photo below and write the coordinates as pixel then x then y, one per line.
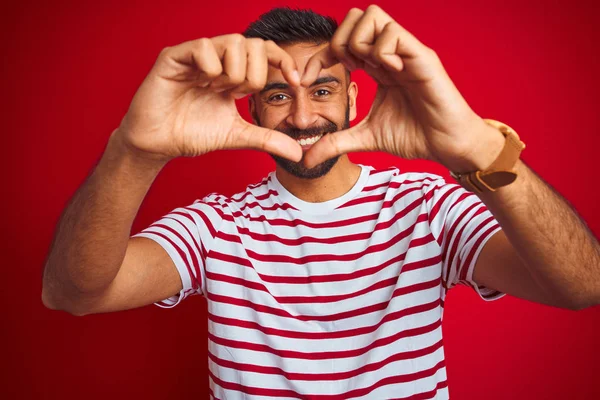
pixel 305 114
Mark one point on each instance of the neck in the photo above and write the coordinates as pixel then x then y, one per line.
pixel 337 182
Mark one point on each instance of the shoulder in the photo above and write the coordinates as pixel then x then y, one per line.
pixel 433 190
pixel 399 181
pixel 252 193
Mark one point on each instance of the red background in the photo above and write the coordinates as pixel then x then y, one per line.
pixel 69 71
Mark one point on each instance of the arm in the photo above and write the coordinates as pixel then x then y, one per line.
pixel 80 278
pixel 545 253
pixel 93 266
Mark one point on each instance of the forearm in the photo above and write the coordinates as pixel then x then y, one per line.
pixel 557 248
pixel 92 235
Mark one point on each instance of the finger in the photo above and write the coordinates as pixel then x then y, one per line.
pixel 408 46
pixel 403 56
pixel 279 58
pixel 387 47
pixel 339 41
pixel 321 60
pixel 256 69
pixel 232 50
pixel 371 27
pixel 196 60
pixel 249 136
pixel 358 138
pixel 335 52
pixel 366 31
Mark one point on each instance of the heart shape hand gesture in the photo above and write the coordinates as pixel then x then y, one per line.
pixel 186 104
pixel 417 111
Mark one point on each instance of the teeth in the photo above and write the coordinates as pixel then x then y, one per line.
pixel 312 140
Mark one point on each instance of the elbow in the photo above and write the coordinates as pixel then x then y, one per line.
pixel 49 301
pixel 578 306
pixel 582 305
pixel 54 297
pixel 578 303
pixel 575 297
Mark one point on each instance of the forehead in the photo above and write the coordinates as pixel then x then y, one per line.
pixel 301 53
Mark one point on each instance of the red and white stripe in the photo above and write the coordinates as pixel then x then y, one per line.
pixel 339 300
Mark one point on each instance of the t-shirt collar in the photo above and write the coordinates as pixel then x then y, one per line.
pixel 322 207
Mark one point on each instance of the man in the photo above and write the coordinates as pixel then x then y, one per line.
pixel 326 279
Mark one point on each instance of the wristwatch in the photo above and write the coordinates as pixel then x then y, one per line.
pixel 501 172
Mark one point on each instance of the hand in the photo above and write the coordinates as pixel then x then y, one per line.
pixel 417 111
pixel 186 104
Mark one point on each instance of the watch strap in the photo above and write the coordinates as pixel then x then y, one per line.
pixel 501 172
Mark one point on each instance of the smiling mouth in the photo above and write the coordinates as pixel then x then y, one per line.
pixel 309 141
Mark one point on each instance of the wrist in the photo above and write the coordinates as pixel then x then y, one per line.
pixel 121 155
pixel 485 147
pixel 501 171
pixel 121 150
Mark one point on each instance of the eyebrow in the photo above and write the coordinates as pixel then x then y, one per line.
pixel 283 85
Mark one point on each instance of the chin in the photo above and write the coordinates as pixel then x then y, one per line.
pixel 298 169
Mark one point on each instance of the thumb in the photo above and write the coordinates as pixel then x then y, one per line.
pixel 358 138
pixel 249 136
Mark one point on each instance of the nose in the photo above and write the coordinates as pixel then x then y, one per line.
pixel 302 113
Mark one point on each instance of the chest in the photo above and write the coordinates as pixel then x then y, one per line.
pixel 329 278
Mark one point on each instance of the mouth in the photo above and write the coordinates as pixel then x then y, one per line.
pixel 307 142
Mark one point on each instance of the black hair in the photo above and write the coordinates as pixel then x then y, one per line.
pixel 284 25
pixel 288 26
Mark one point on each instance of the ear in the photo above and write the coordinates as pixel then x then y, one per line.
pixel 352 93
pixel 252 109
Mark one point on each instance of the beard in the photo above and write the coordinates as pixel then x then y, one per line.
pixel 298 169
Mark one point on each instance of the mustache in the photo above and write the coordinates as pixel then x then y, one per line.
pixel 296 133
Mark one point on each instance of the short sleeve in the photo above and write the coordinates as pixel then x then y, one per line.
pixel 462 225
pixel 186 234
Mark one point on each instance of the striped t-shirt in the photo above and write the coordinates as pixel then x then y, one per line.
pixel 335 300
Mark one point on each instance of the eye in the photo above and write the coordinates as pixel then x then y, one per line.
pixel 322 93
pixel 277 98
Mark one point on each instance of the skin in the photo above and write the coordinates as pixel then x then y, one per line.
pixel 306 107
pixel 186 107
